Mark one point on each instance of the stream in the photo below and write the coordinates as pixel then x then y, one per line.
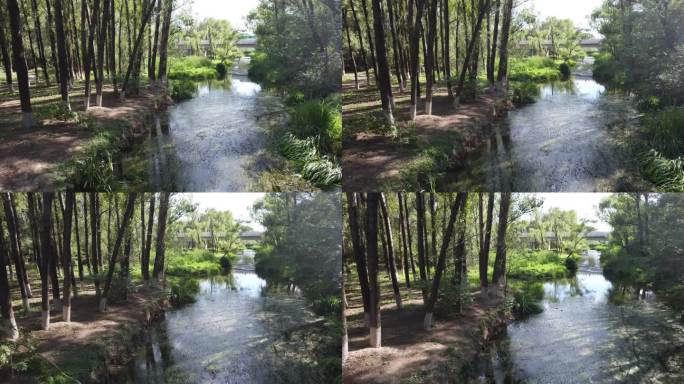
pixel 216 141
pixel 571 139
pixel 581 337
pixel 222 336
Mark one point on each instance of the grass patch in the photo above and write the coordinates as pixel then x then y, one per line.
pixel 536 69
pixel 318 169
pixel 195 262
pixel 192 67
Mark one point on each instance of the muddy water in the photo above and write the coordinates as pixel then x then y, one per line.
pixel 581 337
pixel 219 337
pixel 214 141
pixel 569 140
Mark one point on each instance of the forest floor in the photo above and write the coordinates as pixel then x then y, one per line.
pixel 93 345
pixel 410 354
pixel 375 156
pixel 30 159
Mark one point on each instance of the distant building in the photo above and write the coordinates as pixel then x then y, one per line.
pixel 206 239
pixel 247 44
pixel 532 240
pixel 588 45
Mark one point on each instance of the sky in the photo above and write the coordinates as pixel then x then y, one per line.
pixel 234 11
pixel 579 11
pixel 239 204
pixel 585 204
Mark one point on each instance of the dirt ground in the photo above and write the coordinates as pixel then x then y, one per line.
pixel 373 158
pixel 410 354
pixel 30 158
pixel 92 337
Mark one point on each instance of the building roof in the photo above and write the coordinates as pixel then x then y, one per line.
pixel 248 41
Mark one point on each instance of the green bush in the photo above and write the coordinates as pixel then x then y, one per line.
pixel 331 305
pixel 666 174
pixel 221 70
pixel 571 265
pixel 319 170
pixel 226 264
pixel 564 70
pixel 534 69
pixel 608 71
pixel 193 262
pixel 192 67
pixel 524 92
pixel 183 290
pixel 665 131
pixel 321 119
pixel 183 89
pixel 526 299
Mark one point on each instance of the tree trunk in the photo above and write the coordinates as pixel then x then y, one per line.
pixel 47 256
pixel 15 250
pixel 8 325
pixel 364 8
pixel 145 260
pixel 390 249
pixel 62 53
pixel 359 252
pixel 153 60
pixel 415 33
pixel 39 37
pixel 357 26
pixel 372 253
pixel 123 228
pixel 345 336
pixel 349 45
pixel 383 73
pixel 492 58
pixel 461 265
pixel 95 230
pixel 486 240
pixel 441 262
pixel 471 48
pixel 66 252
pixel 430 57
pixel 164 42
pixel 422 260
pixel 92 28
pixel 395 45
pixel 402 227
pixel 505 36
pixel 499 275
pixel 6 59
pixel 20 63
pixel 158 271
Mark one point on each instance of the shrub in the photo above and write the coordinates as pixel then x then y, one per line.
pixel 534 69
pixel 221 70
pixel 665 131
pixel 571 265
pixel 319 170
pixel 192 67
pixel 183 89
pixel 608 71
pixel 183 290
pixel 564 70
pixel 667 174
pixel 321 119
pixel 526 299
pixel 524 92
pixel 226 264
pixel 330 305
pixel 193 262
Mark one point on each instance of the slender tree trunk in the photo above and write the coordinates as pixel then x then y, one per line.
pixel 158 271
pixel 39 38
pixel 483 5
pixel 15 249
pixel 402 227
pixel 351 51
pixel 408 237
pixel 20 63
pixel 395 45
pixel 372 253
pixel 382 74
pixel 145 260
pixel 422 260
pixel 499 276
pixel 94 230
pixel 79 259
pixel 121 232
pixel 486 240
pixel 153 60
pixel 62 53
pixel 390 249
pixel 505 37
pixel 359 34
pixel 47 256
pixel 430 57
pixel 6 59
pixel 66 252
pixel 364 8
pixel 461 265
pixel 495 38
pixel 164 42
pixel 112 47
pixel 359 253
pixel 441 262
pixel 345 336
pixel 415 34
pixel 8 325
pixel 89 59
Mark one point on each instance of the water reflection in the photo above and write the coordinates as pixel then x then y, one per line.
pixel 563 142
pixel 216 337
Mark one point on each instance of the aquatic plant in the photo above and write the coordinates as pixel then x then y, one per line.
pixel 524 92
pixel 192 67
pixel 183 89
pixel 319 170
pixel 666 174
pixel 321 119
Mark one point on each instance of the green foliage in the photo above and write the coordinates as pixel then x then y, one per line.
pixel 665 131
pixel 192 262
pixel 525 92
pixel 526 298
pixel 536 265
pixel 564 70
pixel 226 264
pixel 56 111
pixel 571 265
pixel 425 170
pixel 192 67
pixel 183 290
pixel 608 71
pixel 319 170
pixel 183 89
pixel 667 174
pixel 321 119
pixel 327 306
pixel 221 70
pixel 534 69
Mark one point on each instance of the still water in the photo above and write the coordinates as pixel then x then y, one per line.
pixel 221 337
pixel 581 337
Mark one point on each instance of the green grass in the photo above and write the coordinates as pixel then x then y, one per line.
pixel 192 67
pixel 535 69
pixel 195 262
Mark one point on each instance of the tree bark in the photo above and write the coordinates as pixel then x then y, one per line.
pixel 47 256
pixel 8 324
pixel 6 59
pixel 486 239
pixel 383 74
pixel 158 271
pixel 422 260
pixel 359 34
pixel 15 249
pixel 499 276
pixel 121 232
pixel 372 253
pixel 359 252
pixel 164 43
pixel 441 262
pixel 390 249
pixel 402 228
pixel 145 260
pixel 505 37
pixel 66 252
pixel 20 66
pixel 62 53
pixel 415 33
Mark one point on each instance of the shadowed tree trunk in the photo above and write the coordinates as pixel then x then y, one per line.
pixel 8 325
pixel 39 38
pixel 121 232
pixel 420 210
pixel 349 45
pixel 395 45
pixel 364 8
pixel 145 260
pixel 6 59
pixel 415 33
pixel 390 249
pixel 359 252
pixel 474 40
pixel 402 228
pixel 47 256
pixel 499 276
pixel 66 252
pixel 492 58
pixel 372 253
pixel 505 37
pixel 383 73
pixel 441 262
pixel 153 60
pixel 94 230
pixel 486 239
pixel 112 47
pixel 164 42
pixel 430 57
pixel 460 262
pixel 62 53
pixel 158 271
pixel 345 336
pixel 90 54
pixel 102 37
pixel 15 250
pixel 357 27
pixel 20 66
pixel 137 46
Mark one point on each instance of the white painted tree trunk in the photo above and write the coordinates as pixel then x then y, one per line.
pixel 25 302
pixel 27 120
pixel 45 316
pixel 66 313
pixel 103 304
pixel 345 347
pixel 397 298
pixel 413 111
pixel 428 108
pixel 29 293
pixel 8 328
pixel 375 339
pixel 427 321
